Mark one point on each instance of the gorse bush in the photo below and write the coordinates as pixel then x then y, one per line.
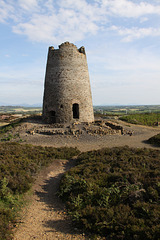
pixel 148 119
pixel 18 167
pixel 115 193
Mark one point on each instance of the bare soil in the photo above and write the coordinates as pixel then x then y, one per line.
pixel 86 142
pixel 45 217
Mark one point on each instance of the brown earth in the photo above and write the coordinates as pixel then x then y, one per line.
pixel 86 142
pixel 45 217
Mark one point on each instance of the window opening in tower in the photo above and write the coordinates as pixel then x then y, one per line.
pixel 75 109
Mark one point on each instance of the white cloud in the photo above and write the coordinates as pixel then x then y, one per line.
pixel 6 10
pixel 28 5
pixel 63 23
pixel 90 10
pixel 130 9
pixel 131 34
pixel 143 19
pixel 56 21
pixel 38 29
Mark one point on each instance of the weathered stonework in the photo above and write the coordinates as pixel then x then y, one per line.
pixel 67 93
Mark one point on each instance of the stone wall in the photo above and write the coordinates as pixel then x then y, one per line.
pixel 67 93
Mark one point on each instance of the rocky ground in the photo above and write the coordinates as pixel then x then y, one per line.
pixel 83 136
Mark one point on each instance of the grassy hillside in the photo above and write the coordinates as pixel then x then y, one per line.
pixel 115 193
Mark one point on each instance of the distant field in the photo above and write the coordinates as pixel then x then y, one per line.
pixel 19 109
pixel 98 110
pixel 126 110
pixel 27 110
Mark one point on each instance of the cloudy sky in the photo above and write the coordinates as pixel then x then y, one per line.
pixel 121 38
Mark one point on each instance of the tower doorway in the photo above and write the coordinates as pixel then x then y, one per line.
pixel 52 116
pixel 75 109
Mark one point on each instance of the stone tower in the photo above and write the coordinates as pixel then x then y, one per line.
pixel 67 93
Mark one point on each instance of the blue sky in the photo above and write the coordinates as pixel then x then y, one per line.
pixel 121 38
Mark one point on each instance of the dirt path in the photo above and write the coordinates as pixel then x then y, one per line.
pixel 45 218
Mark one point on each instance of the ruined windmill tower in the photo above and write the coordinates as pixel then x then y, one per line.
pixel 67 93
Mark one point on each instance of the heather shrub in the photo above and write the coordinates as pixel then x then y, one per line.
pixel 154 140
pixel 19 165
pixel 115 193
pixel 6 217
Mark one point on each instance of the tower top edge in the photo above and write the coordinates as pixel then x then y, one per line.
pixel 66 45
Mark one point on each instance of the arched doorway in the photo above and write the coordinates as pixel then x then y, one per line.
pixel 75 109
pixel 52 116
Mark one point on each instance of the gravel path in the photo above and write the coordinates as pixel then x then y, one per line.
pixel 45 218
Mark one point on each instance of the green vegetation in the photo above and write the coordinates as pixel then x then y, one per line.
pixel 18 166
pixel 149 119
pixel 6 128
pixel 155 140
pixel 123 110
pixel 5 135
pixel 115 193
pixel 9 137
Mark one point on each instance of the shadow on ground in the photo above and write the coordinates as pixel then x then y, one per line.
pixel 34 119
pixel 152 145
